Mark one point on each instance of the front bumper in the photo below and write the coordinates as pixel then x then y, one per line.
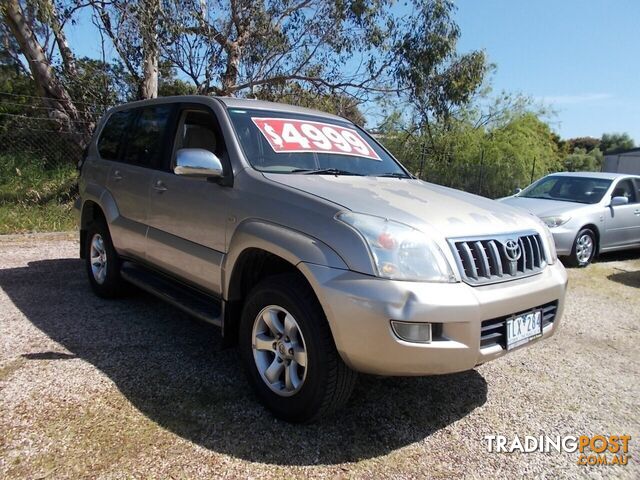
pixel 360 308
pixel 563 237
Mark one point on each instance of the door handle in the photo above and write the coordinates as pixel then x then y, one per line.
pixel 116 176
pixel 637 212
pixel 159 187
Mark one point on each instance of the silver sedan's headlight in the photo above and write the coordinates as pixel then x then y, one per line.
pixel 398 251
pixel 556 220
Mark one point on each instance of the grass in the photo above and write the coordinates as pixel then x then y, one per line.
pixel 35 195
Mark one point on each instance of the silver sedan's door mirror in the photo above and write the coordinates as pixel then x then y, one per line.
pixel 197 162
pixel 615 201
pixel 517 191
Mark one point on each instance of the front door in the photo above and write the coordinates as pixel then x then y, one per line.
pixel 623 221
pixel 187 216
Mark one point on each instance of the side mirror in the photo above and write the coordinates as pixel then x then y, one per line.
pixel 615 201
pixel 517 191
pixel 197 162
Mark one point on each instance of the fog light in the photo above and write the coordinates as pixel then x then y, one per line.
pixel 412 332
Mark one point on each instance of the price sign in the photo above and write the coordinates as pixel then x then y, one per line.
pixel 288 136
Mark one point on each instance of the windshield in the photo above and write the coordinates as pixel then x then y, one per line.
pixel 568 189
pixel 283 142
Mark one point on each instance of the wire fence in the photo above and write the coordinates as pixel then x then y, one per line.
pixel 28 128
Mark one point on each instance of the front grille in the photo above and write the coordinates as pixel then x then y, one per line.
pixel 491 259
pixel 494 331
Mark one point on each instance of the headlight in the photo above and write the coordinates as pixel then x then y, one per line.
pixel 551 244
pixel 555 221
pixel 398 251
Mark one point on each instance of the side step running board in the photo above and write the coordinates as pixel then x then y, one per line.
pixel 191 301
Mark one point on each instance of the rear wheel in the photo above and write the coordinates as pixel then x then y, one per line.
pixel 102 262
pixel 289 354
pixel 584 248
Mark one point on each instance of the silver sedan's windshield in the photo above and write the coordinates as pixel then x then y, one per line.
pixel 291 143
pixel 568 189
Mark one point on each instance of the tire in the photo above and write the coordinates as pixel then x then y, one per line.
pixel 105 282
pixel 299 394
pixel 584 249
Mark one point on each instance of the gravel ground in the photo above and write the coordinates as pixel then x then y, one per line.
pixel 135 389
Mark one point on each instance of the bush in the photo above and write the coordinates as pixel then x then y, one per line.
pixel 35 194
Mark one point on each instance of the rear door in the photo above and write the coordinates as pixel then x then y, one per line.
pixel 187 216
pixel 623 221
pixel 130 176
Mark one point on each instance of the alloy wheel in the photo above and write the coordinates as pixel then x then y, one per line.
pixel 279 350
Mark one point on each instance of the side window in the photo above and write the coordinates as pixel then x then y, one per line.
pixel 625 188
pixel 112 134
pixel 147 140
pixel 199 129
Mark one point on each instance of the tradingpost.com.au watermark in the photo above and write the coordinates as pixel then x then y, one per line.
pixel 592 450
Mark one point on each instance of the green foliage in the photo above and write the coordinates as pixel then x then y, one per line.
pixel 438 80
pixel 490 161
pixel 585 143
pixel 35 195
pixel 583 161
pixel 616 142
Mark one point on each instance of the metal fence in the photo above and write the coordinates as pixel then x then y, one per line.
pixel 28 129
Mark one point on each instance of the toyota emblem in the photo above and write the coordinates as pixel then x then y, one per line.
pixel 512 250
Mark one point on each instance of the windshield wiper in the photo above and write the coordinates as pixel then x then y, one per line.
pixel 393 175
pixel 324 171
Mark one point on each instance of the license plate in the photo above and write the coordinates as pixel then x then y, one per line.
pixel 523 328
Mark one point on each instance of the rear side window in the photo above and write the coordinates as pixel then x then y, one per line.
pixel 146 141
pixel 112 134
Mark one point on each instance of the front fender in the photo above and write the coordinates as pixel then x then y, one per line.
pixel 290 245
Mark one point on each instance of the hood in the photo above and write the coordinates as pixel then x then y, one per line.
pixel 543 207
pixel 416 203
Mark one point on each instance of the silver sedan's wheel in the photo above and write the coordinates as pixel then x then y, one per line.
pixel 98 257
pixel 279 350
pixel 584 248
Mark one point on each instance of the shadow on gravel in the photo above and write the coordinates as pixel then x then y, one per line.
pixel 173 370
pixel 619 256
pixel 630 279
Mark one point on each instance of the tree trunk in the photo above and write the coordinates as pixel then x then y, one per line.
pixel 230 76
pixel 53 93
pixel 149 30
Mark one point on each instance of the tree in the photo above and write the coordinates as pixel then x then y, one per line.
pixel 133 26
pixel 615 142
pixel 436 79
pixel 583 161
pixel 338 104
pixel 229 47
pixel 56 98
pixel 585 143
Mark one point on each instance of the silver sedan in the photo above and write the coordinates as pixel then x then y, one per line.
pixel 588 212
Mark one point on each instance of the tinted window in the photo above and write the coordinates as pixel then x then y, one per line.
pixel 568 189
pixel 625 188
pixel 146 142
pixel 345 146
pixel 111 136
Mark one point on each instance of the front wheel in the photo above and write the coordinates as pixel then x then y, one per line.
pixel 289 354
pixel 584 248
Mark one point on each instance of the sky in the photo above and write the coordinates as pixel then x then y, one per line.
pixel 579 57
